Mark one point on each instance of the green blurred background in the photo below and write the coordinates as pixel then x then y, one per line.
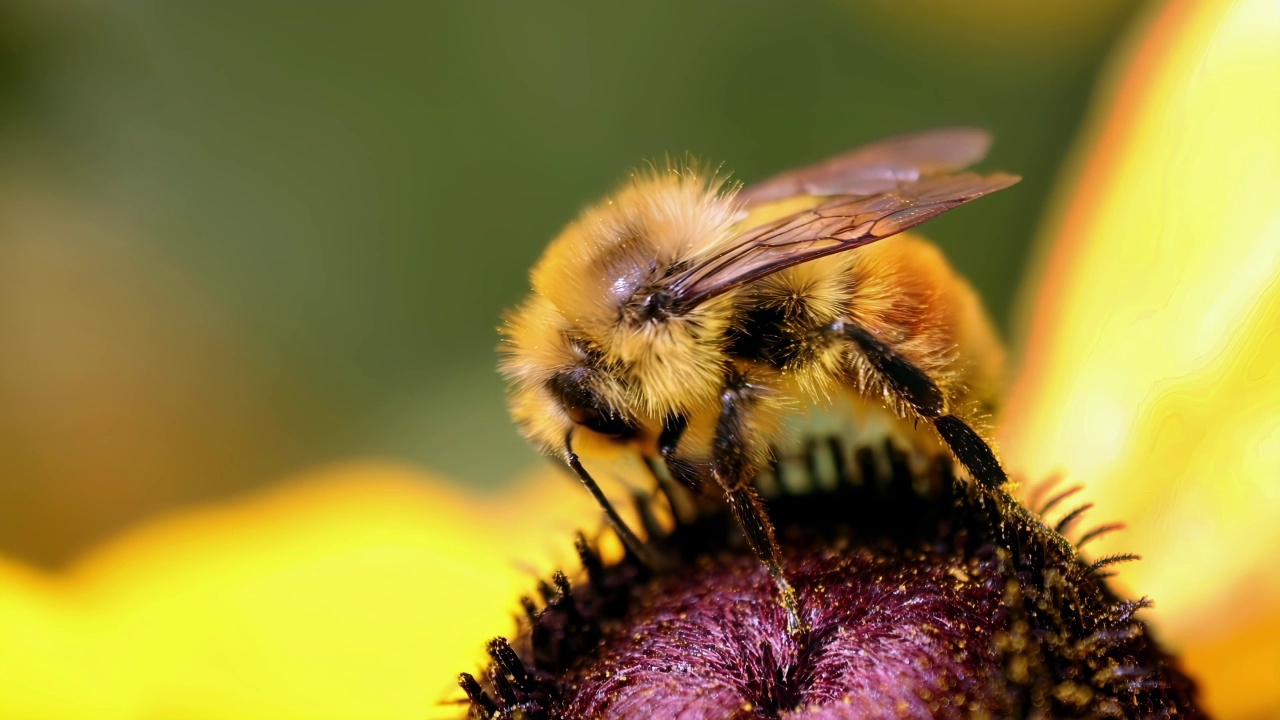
pixel 239 239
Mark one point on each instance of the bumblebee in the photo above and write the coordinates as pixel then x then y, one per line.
pixel 688 318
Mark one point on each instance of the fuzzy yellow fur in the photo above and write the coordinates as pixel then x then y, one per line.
pixel 584 296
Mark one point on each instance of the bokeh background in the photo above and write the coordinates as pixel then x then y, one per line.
pixel 254 456
pixel 244 238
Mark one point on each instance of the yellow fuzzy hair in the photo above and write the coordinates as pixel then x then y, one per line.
pixel 900 289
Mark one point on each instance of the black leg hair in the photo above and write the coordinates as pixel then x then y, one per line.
pixel 913 385
pixel 732 467
pixel 971 450
pixel 669 471
pixel 908 381
pixel 745 504
pixel 682 471
pixel 619 525
pixel 672 430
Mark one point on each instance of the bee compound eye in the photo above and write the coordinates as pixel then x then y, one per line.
pixel 585 407
pixel 606 423
pixel 584 416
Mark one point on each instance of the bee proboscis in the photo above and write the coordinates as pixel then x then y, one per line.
pixel 687 318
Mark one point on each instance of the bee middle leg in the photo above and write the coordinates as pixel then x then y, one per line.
pixel 733 468
pixel 919 390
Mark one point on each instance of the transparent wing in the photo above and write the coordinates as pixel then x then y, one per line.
pixel 833 225
pixel 877 168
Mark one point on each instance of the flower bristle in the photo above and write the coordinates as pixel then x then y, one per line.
pixel 1002 612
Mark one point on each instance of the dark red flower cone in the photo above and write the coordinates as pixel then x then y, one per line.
pixel 927 597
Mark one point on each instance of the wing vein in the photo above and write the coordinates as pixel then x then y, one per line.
pixel 836 224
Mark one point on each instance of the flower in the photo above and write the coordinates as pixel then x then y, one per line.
pixel 1147 374
pixel 921 595
pixel 350 592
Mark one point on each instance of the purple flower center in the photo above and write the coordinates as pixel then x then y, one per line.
pixel 892 637
pixel 927 596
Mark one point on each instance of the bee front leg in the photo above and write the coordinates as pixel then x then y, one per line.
pixel 620 527
pixel 733 467
pixel 920 391
pixel 684 473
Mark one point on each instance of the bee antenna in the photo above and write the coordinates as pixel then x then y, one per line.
pixel 625 534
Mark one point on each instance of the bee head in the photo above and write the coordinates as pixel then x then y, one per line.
pixel 601 338
pixel 559 382
pixel 613 263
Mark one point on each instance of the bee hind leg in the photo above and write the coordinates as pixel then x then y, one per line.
pixel 971 450
pixel 920 391
pixel 732 467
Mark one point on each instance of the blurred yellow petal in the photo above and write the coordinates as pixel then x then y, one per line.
pixel 357 592
pixel 1151 371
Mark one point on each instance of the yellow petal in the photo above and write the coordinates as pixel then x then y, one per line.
pixel 357 592
pixel 1152 370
